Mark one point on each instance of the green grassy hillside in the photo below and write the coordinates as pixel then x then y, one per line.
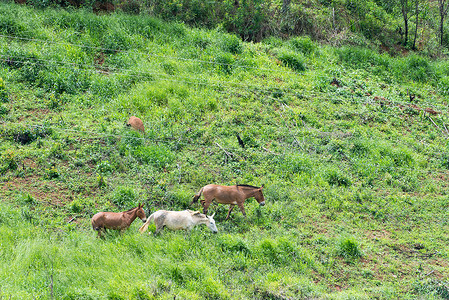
pixel 351 146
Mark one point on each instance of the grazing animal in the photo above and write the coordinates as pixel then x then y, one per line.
pixel 233 195
pixel 136 123
pixel 176 220
pixel 117 221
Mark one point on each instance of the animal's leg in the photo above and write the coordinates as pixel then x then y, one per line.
pixel 159 224
pixel 231 207
pixel 242 209
pixel 158 229
pixel 99 232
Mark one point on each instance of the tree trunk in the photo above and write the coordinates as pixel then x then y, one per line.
pixel 404 4
pixel 417 23
pixel 443 12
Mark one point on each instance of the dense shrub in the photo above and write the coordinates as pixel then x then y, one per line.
pixel 304 45
pixel 124 197
pixel 415 67
pixel 358 57
pixel 292 60
pixel 11 25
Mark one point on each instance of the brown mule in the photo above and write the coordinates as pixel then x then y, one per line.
pixel 117 221
pixel 233 195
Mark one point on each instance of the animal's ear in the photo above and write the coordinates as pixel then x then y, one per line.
pixel 262 186
pixel 140 205
pixel 212 216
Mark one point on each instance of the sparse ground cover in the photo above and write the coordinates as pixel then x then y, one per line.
pixel 350 144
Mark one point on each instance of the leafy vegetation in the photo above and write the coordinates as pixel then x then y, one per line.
pixel 351 146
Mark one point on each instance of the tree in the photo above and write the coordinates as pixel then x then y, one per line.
pixel 416 23
pixel 405 11
pixel 443 6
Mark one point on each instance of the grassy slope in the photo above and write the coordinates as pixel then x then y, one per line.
pixel 356 178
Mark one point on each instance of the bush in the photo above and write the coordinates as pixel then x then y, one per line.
pixel 292 60
pixel 415 67
pixel 124 197
pixel 51 173
pixel 359 57
pixel 231 43
pixel 304 45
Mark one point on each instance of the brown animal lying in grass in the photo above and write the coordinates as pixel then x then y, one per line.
pixel 136 123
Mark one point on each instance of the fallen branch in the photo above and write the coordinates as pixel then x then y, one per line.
pixel 271 152
pixel 224 150
pixel 228 154
pixel 447 131
pixel 436 125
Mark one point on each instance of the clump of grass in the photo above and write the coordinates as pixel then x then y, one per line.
pixel 359 57
pixel 3 92
pixel 4 110
pixel 304 45
pixel 51 173
pixel 124 196
pixel 231 43
pixel 233 244
pixel 9 160
pixel 433 287
pixel 292 60
pixel 157 155
pixel 297 163
pixel 27 199
pixel 336 177
pixel 349 248
pixel 224 62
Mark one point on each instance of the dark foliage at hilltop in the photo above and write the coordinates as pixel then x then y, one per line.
pixel 391 25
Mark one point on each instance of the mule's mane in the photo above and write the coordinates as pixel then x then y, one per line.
pixel 249 186
pixel 130 209
pixel 199 215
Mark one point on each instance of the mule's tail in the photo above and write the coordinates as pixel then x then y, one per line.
pixel 144 227
pixel 197 196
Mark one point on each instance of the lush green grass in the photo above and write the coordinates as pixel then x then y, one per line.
pixel 355 172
